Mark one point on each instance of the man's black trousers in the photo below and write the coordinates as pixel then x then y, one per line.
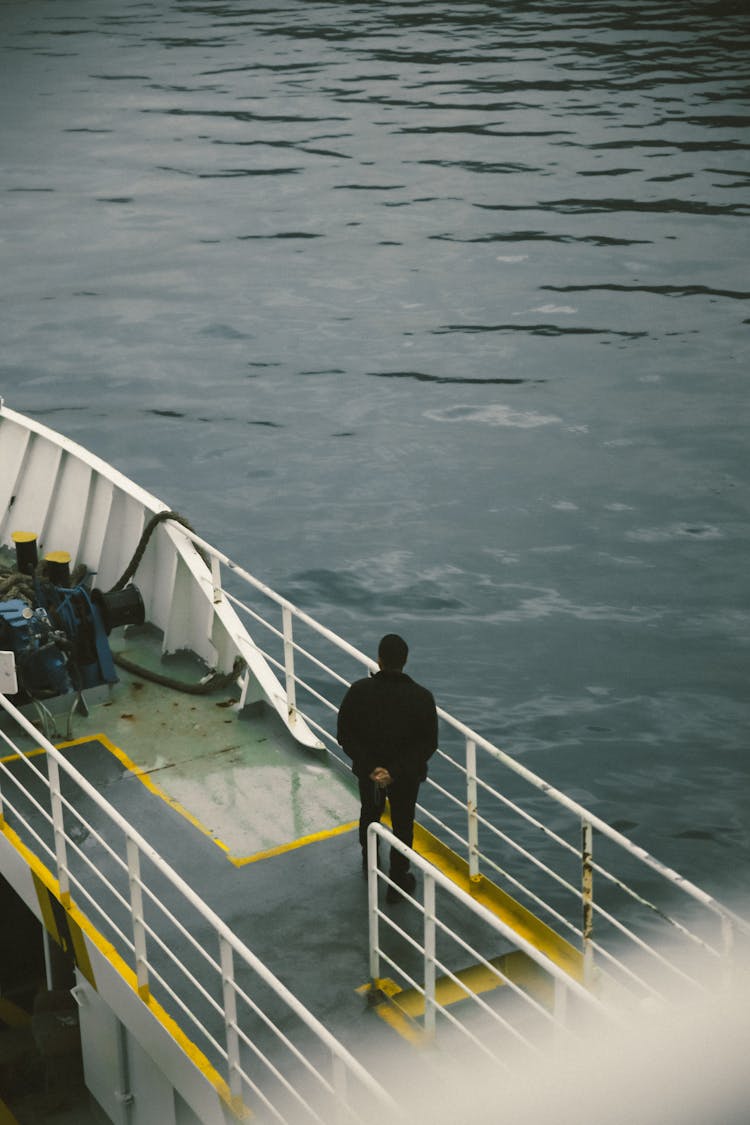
pixel 402 797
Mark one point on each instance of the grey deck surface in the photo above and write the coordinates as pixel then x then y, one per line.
pixel 263 830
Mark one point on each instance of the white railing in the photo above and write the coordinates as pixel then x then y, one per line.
pixel 483 1015
pixel 182 956
pixel 508 824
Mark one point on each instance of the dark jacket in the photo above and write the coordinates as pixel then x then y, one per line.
pixel 388 720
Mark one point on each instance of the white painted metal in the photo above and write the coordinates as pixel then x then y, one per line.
pixel 372 905
pixel 341 1060
pixel 472 834
pixel 101 1046
pixel 587 896
pixel 136 914
pixel 63 874
pixel 430 954
pixel 289 683
pixel 299 716
pixel 8 681
pixel 51 481
pixel 230 1017
pixel 480 862
pixel 67 515
pixel 44 475
pixel 433 878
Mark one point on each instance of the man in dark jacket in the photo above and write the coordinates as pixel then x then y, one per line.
pixel 387 725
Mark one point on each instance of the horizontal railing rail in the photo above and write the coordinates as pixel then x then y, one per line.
pixel 151 916
pixel 507 823
pixel 496 1021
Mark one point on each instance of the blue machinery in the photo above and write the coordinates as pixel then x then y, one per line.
pixel 56 631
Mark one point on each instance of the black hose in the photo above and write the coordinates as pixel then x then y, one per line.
pixel 217 682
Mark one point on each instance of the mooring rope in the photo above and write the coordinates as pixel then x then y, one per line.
pixel 218 680
pixel 148 531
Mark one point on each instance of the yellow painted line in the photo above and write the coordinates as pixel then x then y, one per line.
pixel 145 779
pixel 108 951
pixel 302 842
pixel 63 929
pixel 477 979
pixel 237 861
pixel 6 1117
pixel 11 1015
pixel 402 1009
pixel 26 754
pixel 500 903
pixel 395 1017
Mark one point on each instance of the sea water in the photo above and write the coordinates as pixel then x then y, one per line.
pixel 435 317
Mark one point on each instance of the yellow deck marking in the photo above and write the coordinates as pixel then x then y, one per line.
pixel 302 842
pixel 62 928
pixel 6 1117
pixel 26 754
pixel 11 1015
pixel 237 861
pixel 394 1016
pixel 500 903
pixel 49 883
pixel 144 777
pixel 401 1009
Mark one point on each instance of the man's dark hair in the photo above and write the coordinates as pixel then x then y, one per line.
pixel 393 651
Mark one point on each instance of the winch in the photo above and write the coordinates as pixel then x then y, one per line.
pixel 58 631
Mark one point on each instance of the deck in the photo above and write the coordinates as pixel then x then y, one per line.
pixel 263 831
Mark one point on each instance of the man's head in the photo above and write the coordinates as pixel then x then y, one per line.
pixel 392 653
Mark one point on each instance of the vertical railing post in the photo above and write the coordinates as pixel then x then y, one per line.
pixel 216 579
pixel 472 808
pixel 559 1011
pixel 727 965
pixel 58 825
pixel 291 691
pixel 340 1087
pixel 136 918
pixel 587 899
pixel 430 1009
pixel 229 996
pixel 372 910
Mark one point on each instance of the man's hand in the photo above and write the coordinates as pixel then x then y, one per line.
pixel 381 776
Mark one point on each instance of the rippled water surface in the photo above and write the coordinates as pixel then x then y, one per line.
pixel 436 317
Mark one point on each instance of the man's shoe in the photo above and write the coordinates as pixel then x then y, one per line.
pixel 406 882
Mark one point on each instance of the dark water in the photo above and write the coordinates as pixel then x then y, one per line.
pixel 436 317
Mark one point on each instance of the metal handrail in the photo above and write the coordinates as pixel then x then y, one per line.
pixel 343 1062
pixel 495 752
pixel 563 984
pixel 588 822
